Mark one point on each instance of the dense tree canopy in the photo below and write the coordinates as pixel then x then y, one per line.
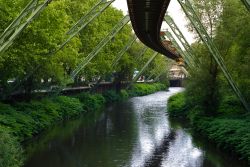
pixel 31 65
pixel 228 23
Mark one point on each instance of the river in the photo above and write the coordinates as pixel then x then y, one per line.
pixel 135 133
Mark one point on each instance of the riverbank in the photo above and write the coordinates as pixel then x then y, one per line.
pixel 23 120
pixel 227 130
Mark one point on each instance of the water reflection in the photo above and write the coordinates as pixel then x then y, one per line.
pixel 136 133
pixel 157 144
pixel 182 152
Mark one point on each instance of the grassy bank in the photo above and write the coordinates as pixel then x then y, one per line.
pixel 228 130
pixel 23 120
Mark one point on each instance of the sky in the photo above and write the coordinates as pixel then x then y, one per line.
pixel 174 10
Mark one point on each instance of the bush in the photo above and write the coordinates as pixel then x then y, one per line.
pixel 21 124
pixel 10 150
pixel 144 89
pixel 177 106
pixel 69 107
pixel 124 94
pixel 229 133
pixel 230 105
pixel 44 114
pixel 91 102
pixel 111 96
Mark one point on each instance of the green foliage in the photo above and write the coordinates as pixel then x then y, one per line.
pixel 69 107
pixel 91 102
pixel 229 133
pixel 21 124
pixel 28 119
pixel 177 106
pixel 10 150
pixel 229 130
pixel 141 89
pixel 124 94
pixel 111 96
pixel 230 105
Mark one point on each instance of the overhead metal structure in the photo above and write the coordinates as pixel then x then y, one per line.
pixel 145 67
pixel 181 38
pixel 159 75
pixel 247 4
pixel 28 14
pixel 98 48
pixel 141 52
pixel 146 17
pixel 151 75
pixel 123 51
pixel 194 19
pixel 73 31
pixel 116 60
pixel 85 20
pixel 187 58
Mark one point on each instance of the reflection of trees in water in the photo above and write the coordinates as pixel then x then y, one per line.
pixel 160 151
pixel 153 130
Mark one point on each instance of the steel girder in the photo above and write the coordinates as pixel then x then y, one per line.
pixel 187 58
pixel 116 60
pixel 98 48
pixel 247 4
pixel 85 20
pixel 73 31
pixel 195 21
pixel 177 32
pixel 123 51
pixel 145 67
pixel 28 14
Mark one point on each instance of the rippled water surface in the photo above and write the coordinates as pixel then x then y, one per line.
pixel 136 133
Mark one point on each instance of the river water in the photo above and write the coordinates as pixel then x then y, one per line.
pixel 136 133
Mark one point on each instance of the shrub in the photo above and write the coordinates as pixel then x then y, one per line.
pixel 124 94
pixel 69 106
pixel 44 113
pixel 144 89
pixel 177 106
pixel 111 96
pixel 230 105
pixel 10 150
pixel 21 124
pixel 91 102
pixel 229 133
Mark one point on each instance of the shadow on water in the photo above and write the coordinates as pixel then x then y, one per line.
pixel 160 151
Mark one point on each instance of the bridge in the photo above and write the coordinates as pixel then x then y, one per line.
pixel 146 17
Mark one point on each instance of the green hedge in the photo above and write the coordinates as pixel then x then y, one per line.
pixel 91 102
pixel 10 149
pixel 229 131
pixel 142 89
pixel 176 105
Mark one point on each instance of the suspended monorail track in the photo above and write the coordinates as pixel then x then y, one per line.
pixel 146 17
